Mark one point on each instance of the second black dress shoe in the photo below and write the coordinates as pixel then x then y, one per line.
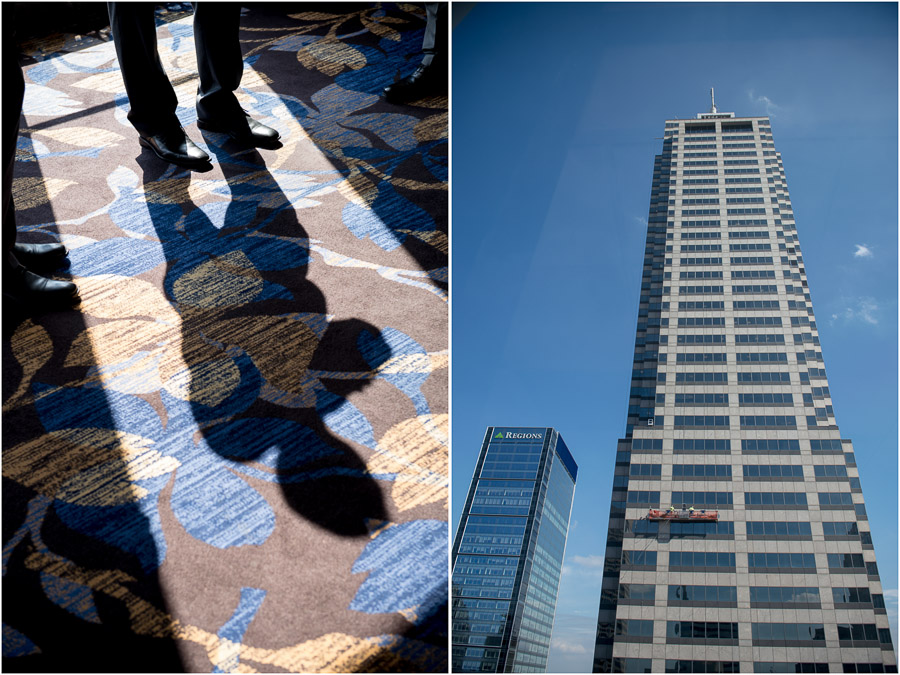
pixel 425 81
pixel 245 130
pixel 34 294
pixel 173 146
pixel 40 256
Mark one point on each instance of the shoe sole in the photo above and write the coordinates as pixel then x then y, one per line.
pixel 195 164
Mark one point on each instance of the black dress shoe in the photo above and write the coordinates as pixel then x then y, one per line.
pixel 40 256
pixel 173 146
pixel 425 81
pixel 244 130
pixel 34 293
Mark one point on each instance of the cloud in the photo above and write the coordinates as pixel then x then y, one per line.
pixel 568 647
pixel 862 309
pixel 588 560
pixel 865 310
pixel 770 105
pixel 862 251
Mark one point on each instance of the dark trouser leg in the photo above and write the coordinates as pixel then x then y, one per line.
pixel 434 44
pixel 219 59
pixel 13 95
pixel 150 94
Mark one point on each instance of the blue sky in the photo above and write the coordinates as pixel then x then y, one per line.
pixel 557 114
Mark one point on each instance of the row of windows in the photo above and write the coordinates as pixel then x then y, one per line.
pixel 773 471
pixel 702 498
pixel 753 274
pixel 781 560
pixel 724 470
pixel 775 498
pixel 689 378
pixel 724 498
pixel 755 445
pixel 702 399
pixel 768 398
pixel 746 421
pixel 702 630
pixel 696 559
pixel 701 470
pixel 778 529
pixel 783 595
pixel 692 321
pixel 700 275
pixel 788 632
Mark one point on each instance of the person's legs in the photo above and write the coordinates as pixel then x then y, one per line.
pixel 20 286
pixel 150 94
pixel 151 97
pixel 431 75
pixel 219 60
pixel 13 96
pixel 221 65
pixel 434 44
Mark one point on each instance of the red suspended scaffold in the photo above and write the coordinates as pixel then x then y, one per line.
pixel 684 515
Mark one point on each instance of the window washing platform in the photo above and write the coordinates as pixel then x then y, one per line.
pixel 684 516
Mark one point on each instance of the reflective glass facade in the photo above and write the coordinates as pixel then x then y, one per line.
pixel 730 411
pixel 508 552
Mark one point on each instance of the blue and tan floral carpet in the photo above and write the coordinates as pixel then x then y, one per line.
pixel 232 457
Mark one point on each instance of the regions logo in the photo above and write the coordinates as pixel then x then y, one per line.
pixel 513 435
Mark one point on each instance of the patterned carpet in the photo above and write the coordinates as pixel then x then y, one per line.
pixel 233 456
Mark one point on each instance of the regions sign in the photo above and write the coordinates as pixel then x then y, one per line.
pixel 513 435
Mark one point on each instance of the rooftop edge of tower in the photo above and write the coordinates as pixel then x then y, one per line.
pixel 717 116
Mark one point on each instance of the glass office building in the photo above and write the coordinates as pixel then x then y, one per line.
pixel 508 552
pixel 730 413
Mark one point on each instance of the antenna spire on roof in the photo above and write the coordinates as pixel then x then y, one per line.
pixel 712 93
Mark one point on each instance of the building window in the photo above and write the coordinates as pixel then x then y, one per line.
pixel 689 631
pixel 788 634
pixel 784 595
pixel 785 562
pixel 684 666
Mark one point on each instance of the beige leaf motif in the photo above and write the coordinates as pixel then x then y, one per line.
pixel 31 347
pixel 416 450
pixel 113 483
pixel 332 653
pixel 285 368
pixel 330 56
pixel 83 137
pixel 107 83
pixel 432 128
pixel 110 296
pixel 113 343
pixel 359 189
pixel 314 16
pixel 33 191
pixel 376 26
pixel 43 464
pixel 225 281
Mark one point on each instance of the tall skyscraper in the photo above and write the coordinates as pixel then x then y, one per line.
pixel 508 552
pixel 730 413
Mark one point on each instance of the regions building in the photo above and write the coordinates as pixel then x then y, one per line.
pixel 508 551
pixel 773 571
